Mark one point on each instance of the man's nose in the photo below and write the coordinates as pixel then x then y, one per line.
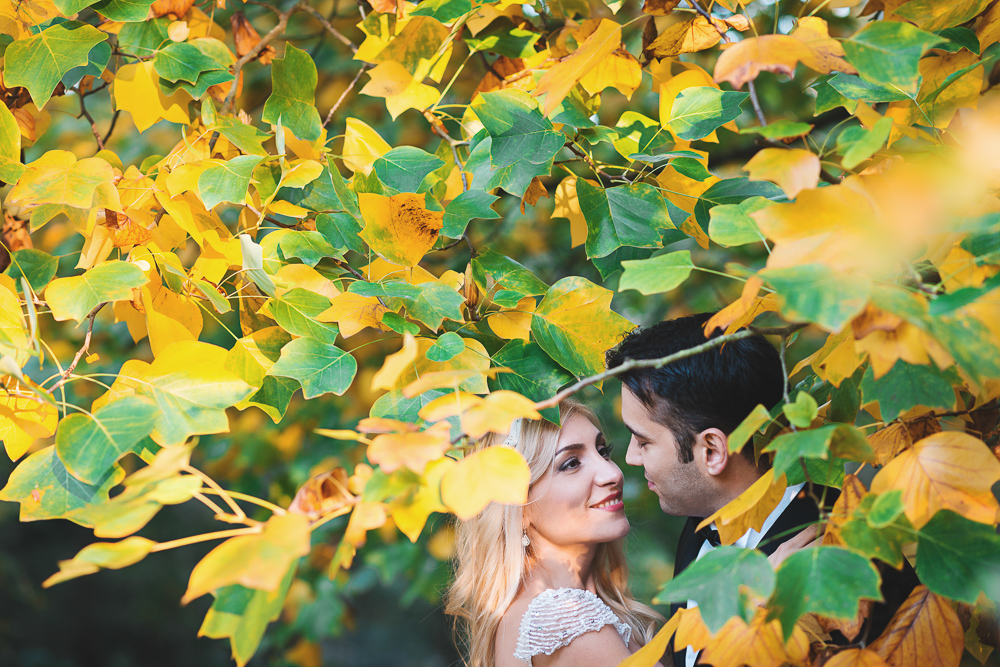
pixel 632 454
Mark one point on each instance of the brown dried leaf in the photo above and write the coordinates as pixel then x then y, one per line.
pixel 850 629
pixel 15 235
pixel 502 73
pixel 925 631
pixel 536 190
pixel 849 500
pixel 247 38
pixel 323 494
pixel 175 8
pixel 659 7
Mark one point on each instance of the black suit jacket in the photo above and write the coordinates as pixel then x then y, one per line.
pixel 801 513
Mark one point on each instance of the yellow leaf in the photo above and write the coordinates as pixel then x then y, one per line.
pixel 136 90
pixel 24 418
pixel 256 561
pixel 57 177
pixel 988 28
pixel 474 360
pixel 399 228
pixel 395 364
pixel 856 657
pixel 353 312
pixel 744 310
pixel 620 70
pixel 810 43
pixel 362 146
pixel 301 173
pixel 653 651
pixel 852 492
pixel 391 81
pixel 448 405
pixel 748 510
pixel 888 442
pixel 494 474
pixel 381 269
pixel 924 631
pixel 560 79
pixel 511 323
pixel 411 514
pixel 793 169
pixel 695 34
pixel 108 555
pixel 439 380
pixel 496 412
pixel 949 470
pixel 365 517
pixel 567 205
pixel 304 276
pixel 757 643
pixel 413 450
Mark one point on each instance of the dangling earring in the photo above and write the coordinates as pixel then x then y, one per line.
pixel 525 541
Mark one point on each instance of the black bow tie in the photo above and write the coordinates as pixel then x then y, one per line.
pixel 710 534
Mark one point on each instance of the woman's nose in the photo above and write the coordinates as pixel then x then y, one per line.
pixel 609 473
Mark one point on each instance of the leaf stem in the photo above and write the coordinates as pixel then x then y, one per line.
pixel 83 350
pixel 205 537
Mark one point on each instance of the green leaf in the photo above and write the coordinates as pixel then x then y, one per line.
pixel 218 301
pixel 855 88
pixel 817 293
pixel 506 274
pixel 656 274
pixel 628 215
pixel 840 440
pixel 123 10
pixel 519 131
pixel 888 53
pixel 665 157
pixel 611 264
pixel 959 558
pixel 310 247
pixel 575 325
pixel 723 583
pixel 250 358
pixel 845 401
pixel 46 490
pixel 293 90
pixel 227 181
pixel 958 38
pixel 700 110
pixel 859 144
pixel 781 129
pixel 247 138
pixel 505 40
pixel 636 134
pixel 693 168
pixel 732 225
pixel 884 542
pixel 972 345
pixel 97 61
pixel 935 15
pixel 514 178
pixel 399 324
pixel 342 230
pixel 444 11
pixel 386 289
pixel 143 38
pixel 446 347
pixel 908 385
pixel 828 581
pixel 40 61
pixel 533 373
pixel 405 168
pixel 828 97
pixel 319 367
pixel 10 147
pixel 747 428
pixel 732 191
pixel 465 208
pixel 181 61
pixel 296 310
pixel 37 266
pixel 242 614
pixel 803 411
pixel 90 445
pixel 435 303
pixel 73 298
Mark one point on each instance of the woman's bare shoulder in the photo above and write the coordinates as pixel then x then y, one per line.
pixel 508 631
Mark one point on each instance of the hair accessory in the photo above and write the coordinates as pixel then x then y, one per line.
pixel 525 540
pixel 514 435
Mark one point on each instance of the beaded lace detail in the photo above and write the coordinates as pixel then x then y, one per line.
pixel 558 616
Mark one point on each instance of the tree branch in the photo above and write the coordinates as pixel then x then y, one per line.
pixel 454 144
pixel 83 350
pixel 343 95
pixel 632 364
pixel 339 36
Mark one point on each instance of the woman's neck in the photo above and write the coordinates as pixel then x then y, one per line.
pixel 561 567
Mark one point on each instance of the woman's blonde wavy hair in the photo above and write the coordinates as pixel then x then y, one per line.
pixel 491 563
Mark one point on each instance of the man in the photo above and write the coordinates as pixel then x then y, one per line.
pixel 680 417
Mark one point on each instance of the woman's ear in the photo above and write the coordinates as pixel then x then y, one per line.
pixel 715 447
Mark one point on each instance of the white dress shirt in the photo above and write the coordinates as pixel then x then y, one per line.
pixel 749 540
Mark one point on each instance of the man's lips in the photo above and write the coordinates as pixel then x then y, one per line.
pixel 612 503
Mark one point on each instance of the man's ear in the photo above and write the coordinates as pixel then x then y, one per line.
pixel 715 445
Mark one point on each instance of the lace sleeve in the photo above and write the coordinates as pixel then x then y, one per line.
pixel 558 616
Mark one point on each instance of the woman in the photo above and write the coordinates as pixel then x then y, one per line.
pixel 547 584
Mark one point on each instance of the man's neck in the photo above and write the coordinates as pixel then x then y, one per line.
pixel 740 476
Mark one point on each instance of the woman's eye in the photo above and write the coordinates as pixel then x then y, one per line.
pixel 605 451
pixel 570 463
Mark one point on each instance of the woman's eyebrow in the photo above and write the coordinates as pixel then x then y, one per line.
pixel 575 446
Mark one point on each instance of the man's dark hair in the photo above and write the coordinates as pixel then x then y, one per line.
pixel 717 388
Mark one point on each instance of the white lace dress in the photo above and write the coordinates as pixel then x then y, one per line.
pixel 558 616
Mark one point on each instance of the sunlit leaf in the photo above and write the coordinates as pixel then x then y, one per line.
pixel 924 631
pixel 495 474
pixel 40 61
pixel 102 555
pixel 73 298
pixel 319 367
pixel 293 87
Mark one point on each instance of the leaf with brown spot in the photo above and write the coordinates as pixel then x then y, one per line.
pixel 399 228
pixel 693 35
pixel 924 631
pixel 659 7
pixel 889 442
pixel 948 470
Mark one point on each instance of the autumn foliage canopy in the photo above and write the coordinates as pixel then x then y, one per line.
pixel 237 232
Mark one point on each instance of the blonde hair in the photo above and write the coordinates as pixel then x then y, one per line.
pixel 491 563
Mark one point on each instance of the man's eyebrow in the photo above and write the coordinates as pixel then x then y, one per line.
pixel 636 433
pixel 574 447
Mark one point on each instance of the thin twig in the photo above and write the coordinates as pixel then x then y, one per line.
pixel 339 36
pixel 93 125
pixel 111 128
pixel 343 95
pixel 454 144
pixel 632 364
pixel 278 29
pixel 756 104
pixel 83 350
pixel 212 484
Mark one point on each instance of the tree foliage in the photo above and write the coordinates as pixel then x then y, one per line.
pixel 824 170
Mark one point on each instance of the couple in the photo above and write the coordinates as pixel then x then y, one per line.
pixel 547 583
